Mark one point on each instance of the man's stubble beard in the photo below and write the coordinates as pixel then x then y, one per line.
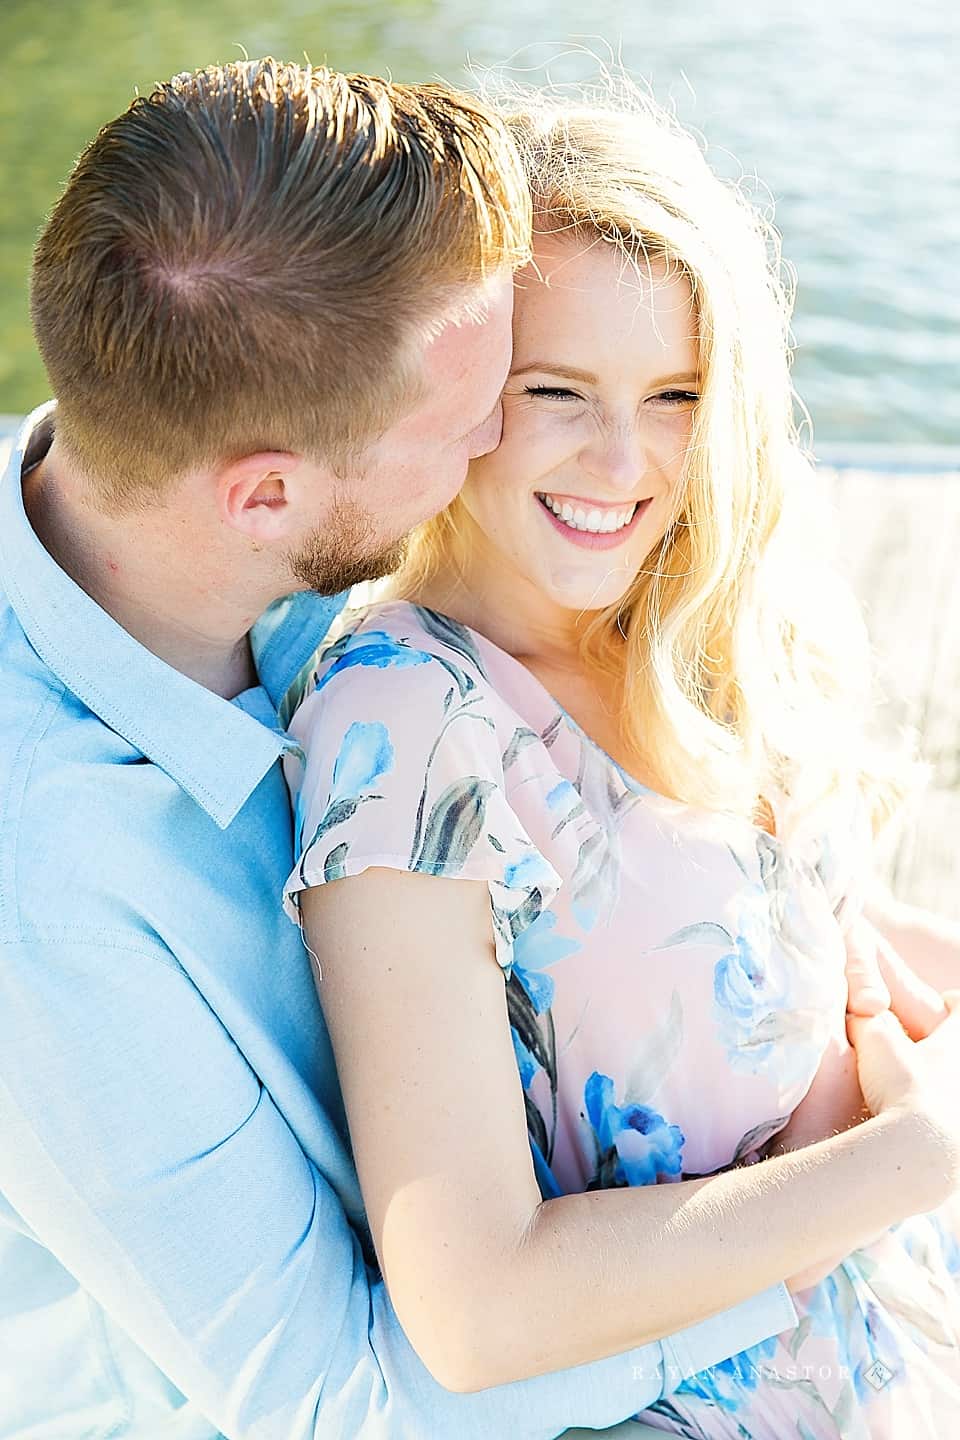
pixel 343 552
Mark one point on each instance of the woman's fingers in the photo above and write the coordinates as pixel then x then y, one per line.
pixel 883 1030
pixel 867 989
pixel 887 1065
pixel 895 1070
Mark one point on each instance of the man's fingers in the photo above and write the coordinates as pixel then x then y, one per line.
pixel 878 977
pixel 916 1004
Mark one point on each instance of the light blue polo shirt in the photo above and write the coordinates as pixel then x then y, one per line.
pixel 183 1249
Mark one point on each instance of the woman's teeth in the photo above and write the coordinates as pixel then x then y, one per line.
pixel 600 522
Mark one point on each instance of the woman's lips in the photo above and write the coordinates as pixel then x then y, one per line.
pixel 595 540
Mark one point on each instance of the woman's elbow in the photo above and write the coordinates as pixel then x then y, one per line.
pixel 471 1367
pixel 463 1341
pixel 457 1374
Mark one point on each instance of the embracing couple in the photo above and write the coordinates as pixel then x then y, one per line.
pixel 437 1024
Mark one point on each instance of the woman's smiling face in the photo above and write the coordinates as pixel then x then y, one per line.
pixel 597 413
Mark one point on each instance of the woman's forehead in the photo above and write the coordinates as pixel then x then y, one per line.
pixel 594 293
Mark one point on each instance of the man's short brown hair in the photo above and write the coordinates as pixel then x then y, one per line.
pixel 241 260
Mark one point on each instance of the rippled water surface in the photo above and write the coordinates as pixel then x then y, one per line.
pixel 849 114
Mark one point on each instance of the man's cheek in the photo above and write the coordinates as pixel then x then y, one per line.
pixel 487 437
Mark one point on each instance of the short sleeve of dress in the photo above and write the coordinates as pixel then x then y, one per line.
pixel 400 765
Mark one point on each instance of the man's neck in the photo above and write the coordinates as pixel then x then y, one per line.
pixel 142 569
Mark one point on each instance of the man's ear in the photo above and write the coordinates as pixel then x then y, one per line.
pixel 256 495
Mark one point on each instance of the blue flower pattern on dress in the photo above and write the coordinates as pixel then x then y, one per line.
pixel 533 952
pixel 757 1016
pixel 526 1062
pixel 748 989
pixel 365 755
pixel 375 648
pixel 635 1144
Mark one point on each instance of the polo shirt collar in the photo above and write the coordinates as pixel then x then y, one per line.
pixel 216 750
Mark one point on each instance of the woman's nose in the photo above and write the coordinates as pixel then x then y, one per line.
pixel 617 457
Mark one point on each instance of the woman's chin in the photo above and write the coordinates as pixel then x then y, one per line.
pixel 579 593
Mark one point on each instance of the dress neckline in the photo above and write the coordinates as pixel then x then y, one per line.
pixel 547 700
pixel 545 697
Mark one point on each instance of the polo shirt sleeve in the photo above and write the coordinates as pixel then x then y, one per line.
pixel 144 1153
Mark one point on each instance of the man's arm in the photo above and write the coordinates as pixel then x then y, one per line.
pixel 929 943
pixel 141 1148
pixel 880 976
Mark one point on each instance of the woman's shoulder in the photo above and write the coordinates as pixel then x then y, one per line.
pixel 407 667
pixel 404 650
pixel 417 628
pixel 401 752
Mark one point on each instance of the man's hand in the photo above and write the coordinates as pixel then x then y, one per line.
pixel 878 978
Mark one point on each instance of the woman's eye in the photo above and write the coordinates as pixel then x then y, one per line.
pixel 552 392
pixel 678 397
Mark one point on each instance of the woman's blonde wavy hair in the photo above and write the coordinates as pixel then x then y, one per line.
pixel 745 663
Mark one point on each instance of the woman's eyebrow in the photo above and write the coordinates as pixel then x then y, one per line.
pixel 557 368
pixel 685 377
pixel 573 372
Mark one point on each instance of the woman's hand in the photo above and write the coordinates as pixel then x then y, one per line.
pixel 896 1072
pixel 920 1079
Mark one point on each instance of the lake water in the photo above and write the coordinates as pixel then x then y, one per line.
pixel 848 113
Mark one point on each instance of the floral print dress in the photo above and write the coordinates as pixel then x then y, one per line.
pixel 670 978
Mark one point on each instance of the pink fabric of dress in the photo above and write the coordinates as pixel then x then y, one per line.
pixel 671 978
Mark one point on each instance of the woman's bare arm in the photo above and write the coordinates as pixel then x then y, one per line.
pixel 491 1283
